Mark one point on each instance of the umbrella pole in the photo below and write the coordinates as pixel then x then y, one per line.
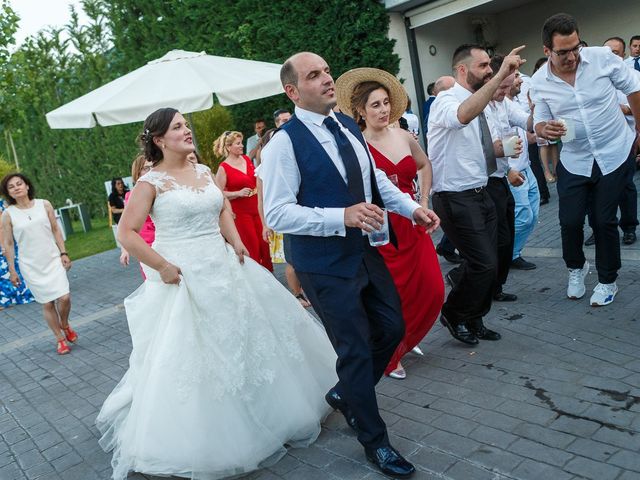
pixel 193 131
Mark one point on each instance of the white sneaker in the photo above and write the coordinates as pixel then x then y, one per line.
pixel 603 294
pixel 576 288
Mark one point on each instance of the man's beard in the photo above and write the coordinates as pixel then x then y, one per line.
pixel 476 83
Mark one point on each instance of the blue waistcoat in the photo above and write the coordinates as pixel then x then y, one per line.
pixel 322 186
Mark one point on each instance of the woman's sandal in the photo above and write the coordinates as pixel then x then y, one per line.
pixel 304 301
pixel 63 348
pixel 399 374
pixel 70 334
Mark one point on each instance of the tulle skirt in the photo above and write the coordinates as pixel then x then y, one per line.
pixel 226 369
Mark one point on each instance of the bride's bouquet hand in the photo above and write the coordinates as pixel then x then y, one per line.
pixel 170 274
pixel 240 250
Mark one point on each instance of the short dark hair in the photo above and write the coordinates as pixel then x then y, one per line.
pixel 560 23
pixel 430 88
pixel 279 112
pixel 5 182
pixel 496 62
pixel 260 120
pixel 155 125
pixel 618 39
pixel 288 74
pixel 634 38
pixel 540 62
pixel 464 51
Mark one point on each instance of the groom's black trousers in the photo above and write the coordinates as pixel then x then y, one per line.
pixel 363 319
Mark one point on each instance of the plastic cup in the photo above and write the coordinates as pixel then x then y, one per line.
pixel 509 141
pixel 570 125
pixel 380 237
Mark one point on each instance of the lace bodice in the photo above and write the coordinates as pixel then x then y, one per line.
pixel 183 212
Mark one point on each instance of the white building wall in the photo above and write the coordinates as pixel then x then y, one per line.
pixel 523 25
pixel 397 32
pixel 445 35
pixel 508 29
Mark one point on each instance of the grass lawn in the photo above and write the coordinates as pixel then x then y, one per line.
pixel 98 239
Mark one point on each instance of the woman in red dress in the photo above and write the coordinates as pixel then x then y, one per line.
pixel 376 99
pixel 237 179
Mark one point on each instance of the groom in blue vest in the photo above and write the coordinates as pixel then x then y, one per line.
pixel 323 192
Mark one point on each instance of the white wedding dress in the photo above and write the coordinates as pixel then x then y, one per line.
pixel 226 367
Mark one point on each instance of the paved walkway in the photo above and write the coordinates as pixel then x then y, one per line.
pixel 557 398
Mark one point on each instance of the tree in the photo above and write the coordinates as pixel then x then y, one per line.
pixel 58 65
pixel 347 33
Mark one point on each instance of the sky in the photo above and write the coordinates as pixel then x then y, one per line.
pixel 37 14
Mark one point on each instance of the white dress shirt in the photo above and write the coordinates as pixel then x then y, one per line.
pixel 592 103
pixel 413 124
pixel 503 115
pixel 631 61
pixel 623 100
pixel 455 149
pixel 521 99
pixel 281 182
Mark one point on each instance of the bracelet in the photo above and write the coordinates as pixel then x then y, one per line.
pixel 64 254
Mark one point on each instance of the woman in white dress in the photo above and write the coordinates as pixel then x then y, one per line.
pixel 226 366
pixel 43 259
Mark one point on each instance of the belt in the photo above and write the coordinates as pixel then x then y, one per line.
pixel 471 190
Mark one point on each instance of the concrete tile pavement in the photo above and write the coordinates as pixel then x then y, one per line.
pixel 557 398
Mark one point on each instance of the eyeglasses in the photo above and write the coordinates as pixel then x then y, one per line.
pixel 564 53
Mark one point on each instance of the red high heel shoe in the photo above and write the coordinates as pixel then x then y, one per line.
pixel 63 348
pixel 70 334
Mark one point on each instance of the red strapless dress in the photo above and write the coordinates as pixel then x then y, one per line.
pixel 245 209
pixel 413 265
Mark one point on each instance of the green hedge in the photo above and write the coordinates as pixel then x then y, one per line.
pixel 58 65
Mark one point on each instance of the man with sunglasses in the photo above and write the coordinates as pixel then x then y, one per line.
pixel 577 89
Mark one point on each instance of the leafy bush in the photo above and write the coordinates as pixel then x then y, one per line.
pixel 6 167
pixel 209 125
pixel 60 64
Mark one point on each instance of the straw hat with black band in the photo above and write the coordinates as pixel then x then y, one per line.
pixel 349 81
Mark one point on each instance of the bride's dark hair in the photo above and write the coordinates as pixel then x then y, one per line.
pixel 155 125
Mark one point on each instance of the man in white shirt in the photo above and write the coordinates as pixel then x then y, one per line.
pixel 281 116
pixel 533 151
pixel 462 154
pixel 500 119
pixel 505 117
pixel 252 142
pixel 633 60
pixel 322 191
pixel 575 96
pixel 527 194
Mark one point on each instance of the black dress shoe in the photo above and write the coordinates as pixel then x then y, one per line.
pixel 544 201
pixel 629 238
pixel 451 257
pixel 590 241
pixel 483 333
pixel 459 332
pixel 505 297
pixel 335 401
pixel 521 264
pixel 389 461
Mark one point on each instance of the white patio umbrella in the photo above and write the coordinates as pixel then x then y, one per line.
pixel 180 79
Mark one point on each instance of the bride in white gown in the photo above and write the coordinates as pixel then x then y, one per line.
pixel 226 366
